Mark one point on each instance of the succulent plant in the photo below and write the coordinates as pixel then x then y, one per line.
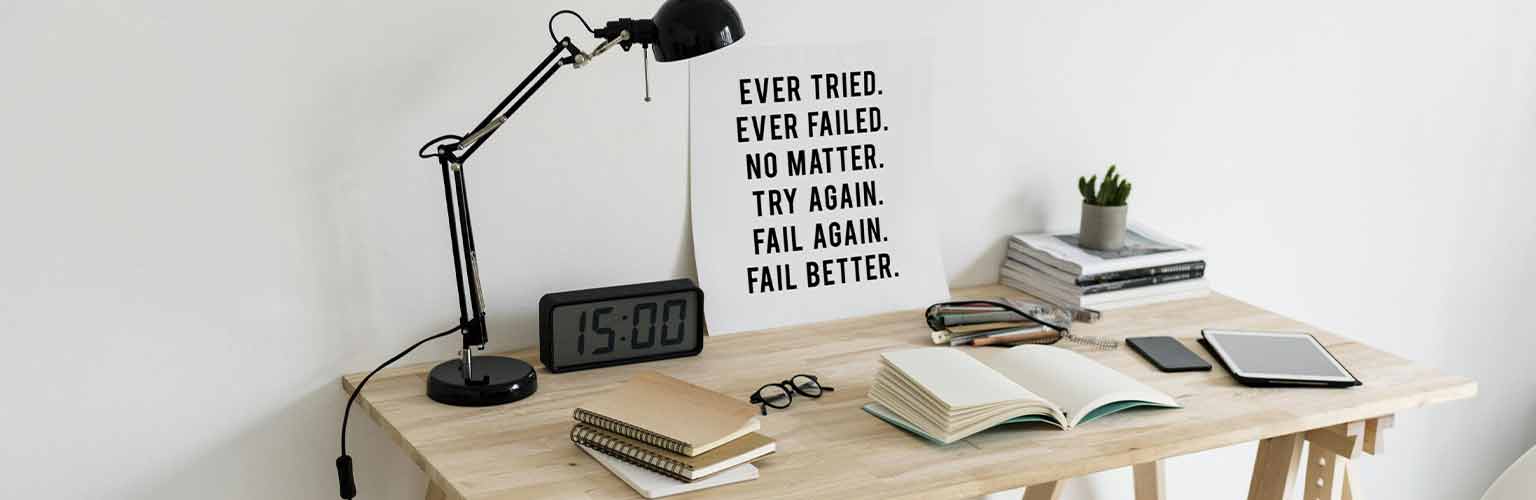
pixel 1111 193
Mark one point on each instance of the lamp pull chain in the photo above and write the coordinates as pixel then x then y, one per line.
pixel 645 63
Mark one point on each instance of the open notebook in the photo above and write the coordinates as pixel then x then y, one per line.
pixel 945 394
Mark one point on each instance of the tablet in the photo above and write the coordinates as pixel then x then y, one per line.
pixel 1277 358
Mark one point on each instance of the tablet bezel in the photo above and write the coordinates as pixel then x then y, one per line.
pixel 1212 338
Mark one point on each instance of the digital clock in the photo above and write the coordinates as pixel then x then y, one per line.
pixel 621 324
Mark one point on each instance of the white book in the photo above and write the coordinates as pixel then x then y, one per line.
pixel 1016 254
pixel 1143 248
pixel 945 394
pixel 1034 283
pixel 652 485
pixel 1117 304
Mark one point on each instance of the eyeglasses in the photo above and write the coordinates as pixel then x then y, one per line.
pixel 782 394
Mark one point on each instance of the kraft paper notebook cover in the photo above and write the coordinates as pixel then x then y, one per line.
pixel 739 451
pixel 945 394
pixel 670 414
pixel 652 485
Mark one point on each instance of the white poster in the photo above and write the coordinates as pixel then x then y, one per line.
pixel 809 202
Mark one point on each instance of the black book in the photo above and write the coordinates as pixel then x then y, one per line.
pixel 1196 267
pixel 1148 280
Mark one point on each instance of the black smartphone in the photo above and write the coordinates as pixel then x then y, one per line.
pixel 1168 354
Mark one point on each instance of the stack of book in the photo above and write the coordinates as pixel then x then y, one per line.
pixel 1150 268
pixel 664 436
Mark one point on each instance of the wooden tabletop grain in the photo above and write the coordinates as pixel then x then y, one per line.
pixel 830 448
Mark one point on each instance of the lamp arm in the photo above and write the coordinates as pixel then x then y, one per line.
pixel 451 151
pixel 466 146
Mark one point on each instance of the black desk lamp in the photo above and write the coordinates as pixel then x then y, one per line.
pixel 681 29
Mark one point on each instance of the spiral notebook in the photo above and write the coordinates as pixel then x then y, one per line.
pixel 670 414
pixel 652 485
pixel 688 469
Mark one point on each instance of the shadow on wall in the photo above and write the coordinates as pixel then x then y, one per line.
pixel 295 445
pixel 1530 434
pixel 984 268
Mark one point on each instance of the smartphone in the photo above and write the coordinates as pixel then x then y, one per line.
pixel 1168 354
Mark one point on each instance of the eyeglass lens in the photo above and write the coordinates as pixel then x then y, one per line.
pixel 806 385
pixel 773 395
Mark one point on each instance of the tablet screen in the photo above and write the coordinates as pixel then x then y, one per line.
pixel 1280 355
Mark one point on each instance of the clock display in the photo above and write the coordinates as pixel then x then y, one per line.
pixel 624 324
pixel 620 329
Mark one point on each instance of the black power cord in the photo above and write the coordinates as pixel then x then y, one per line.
pixel 570 12
pixel 445 145
pixel 344 462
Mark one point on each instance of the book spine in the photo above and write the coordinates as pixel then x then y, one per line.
pixel 629 453
pixel 1145 281
pixel 1095 279
pixel 632 432
pixel 1040 294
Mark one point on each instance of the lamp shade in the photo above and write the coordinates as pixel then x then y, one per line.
pixel 691 28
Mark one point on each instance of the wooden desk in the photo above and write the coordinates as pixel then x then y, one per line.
pixel 830 448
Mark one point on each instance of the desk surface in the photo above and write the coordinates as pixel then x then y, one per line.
pixel 830 448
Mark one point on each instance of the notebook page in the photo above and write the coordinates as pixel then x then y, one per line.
pixel 1073 382
pixel 955 378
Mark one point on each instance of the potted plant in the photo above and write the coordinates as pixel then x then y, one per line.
pixel 1103 222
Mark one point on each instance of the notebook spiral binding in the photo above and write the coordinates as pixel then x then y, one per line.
pixel 630 431
pixel 1092 341
pixel 629 453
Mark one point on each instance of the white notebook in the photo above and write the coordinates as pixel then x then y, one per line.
pixel 652 485
pixel 945 394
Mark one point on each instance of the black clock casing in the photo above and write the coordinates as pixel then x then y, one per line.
pixel 571 319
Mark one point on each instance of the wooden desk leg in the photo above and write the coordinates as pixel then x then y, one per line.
pixel 1329 455
pixel 1043 491
pixel 1325 474
pixel 1149 481
pixel 1349 488
pixel 434 492
pixel 1275 468
pixel 1374 430
pixel 1329 452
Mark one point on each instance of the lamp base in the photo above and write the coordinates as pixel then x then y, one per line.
pixel 497 381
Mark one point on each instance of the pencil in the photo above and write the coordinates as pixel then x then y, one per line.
pixel 959 339
pixel 1016 338
pixel 984 327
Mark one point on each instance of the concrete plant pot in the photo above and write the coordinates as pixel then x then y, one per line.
pixel 1102 228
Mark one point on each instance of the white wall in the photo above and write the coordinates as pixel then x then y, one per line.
pixel 212 209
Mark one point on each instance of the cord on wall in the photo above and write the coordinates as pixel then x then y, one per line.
pixel 344 462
